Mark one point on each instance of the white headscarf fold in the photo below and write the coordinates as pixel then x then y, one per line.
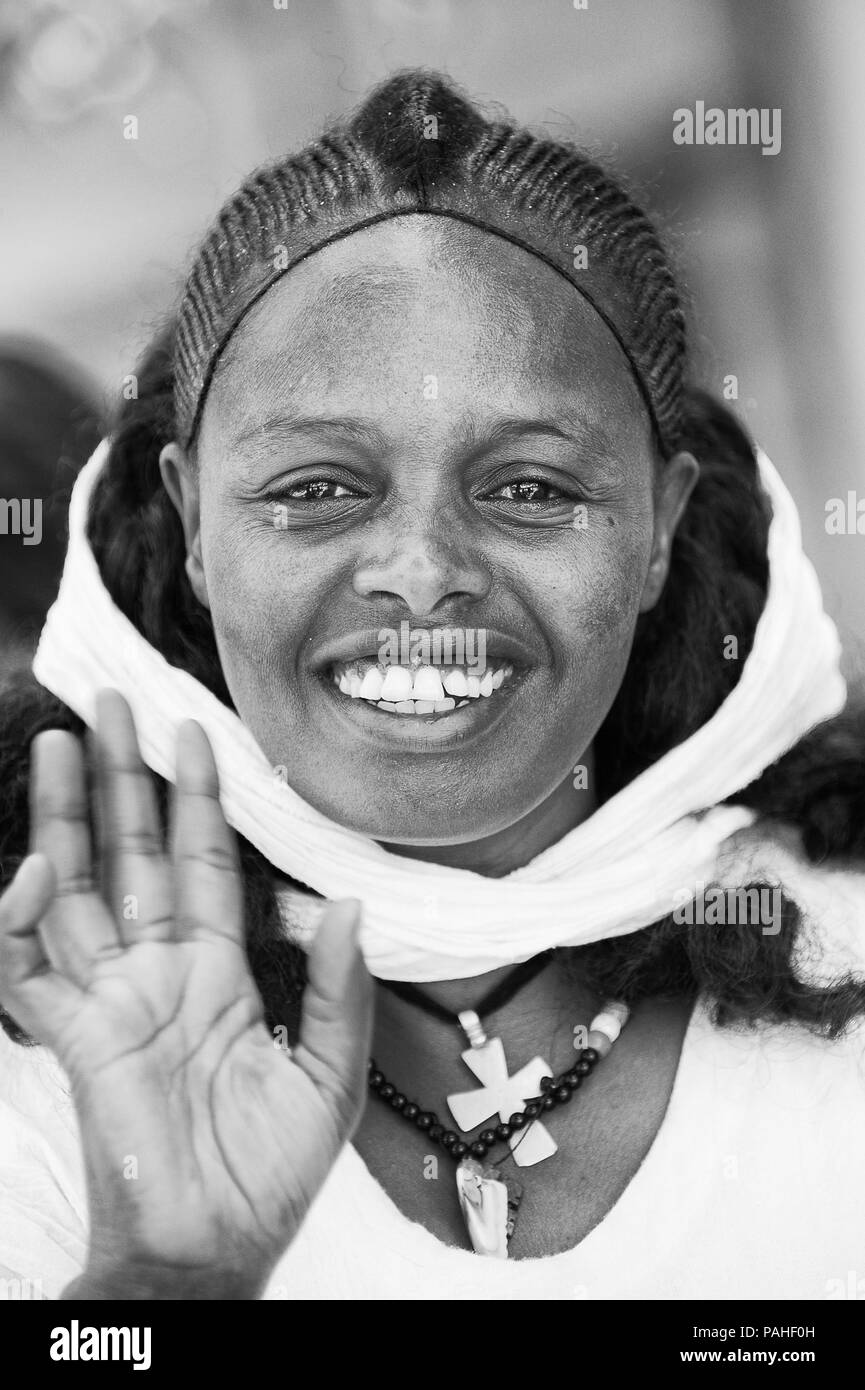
pixel 616 872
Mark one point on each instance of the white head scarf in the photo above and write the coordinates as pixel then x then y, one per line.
pixel 616 872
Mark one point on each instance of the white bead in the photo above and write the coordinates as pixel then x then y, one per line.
pixel 606 1023
pixel 621 1011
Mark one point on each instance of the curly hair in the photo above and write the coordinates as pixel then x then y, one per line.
pixel 675 679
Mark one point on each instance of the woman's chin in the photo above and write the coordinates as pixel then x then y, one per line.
pixel 404 828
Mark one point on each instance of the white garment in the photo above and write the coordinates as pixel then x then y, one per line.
pixel 753 1187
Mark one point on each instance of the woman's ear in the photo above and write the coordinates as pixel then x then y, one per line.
pixel 180 480
pixel 675 484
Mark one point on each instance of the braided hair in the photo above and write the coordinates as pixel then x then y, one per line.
pixel 549 193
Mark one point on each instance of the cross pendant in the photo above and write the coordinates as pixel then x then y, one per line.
pixel 504 1095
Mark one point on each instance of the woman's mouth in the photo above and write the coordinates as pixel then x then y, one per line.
pixel 417 690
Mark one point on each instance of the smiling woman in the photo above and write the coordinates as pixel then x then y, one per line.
pixel 390 403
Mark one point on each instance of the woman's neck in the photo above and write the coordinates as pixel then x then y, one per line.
pixel 499 854
pixel 542 1015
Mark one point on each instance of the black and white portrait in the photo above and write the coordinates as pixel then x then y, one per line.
pixel 432 693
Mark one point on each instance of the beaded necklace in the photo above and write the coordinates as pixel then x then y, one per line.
pixel 489 1200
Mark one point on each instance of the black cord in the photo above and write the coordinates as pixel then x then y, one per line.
pixel 496 998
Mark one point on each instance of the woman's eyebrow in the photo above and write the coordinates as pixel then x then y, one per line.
pixel 286 426
pixel 474 433
pixel 572 429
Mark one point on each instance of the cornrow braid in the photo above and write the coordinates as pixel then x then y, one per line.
pixel 417 144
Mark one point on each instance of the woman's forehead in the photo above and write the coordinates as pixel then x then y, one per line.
pixel 446 306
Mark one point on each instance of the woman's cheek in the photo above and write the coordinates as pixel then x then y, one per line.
pixel 254 606
pixel 598 594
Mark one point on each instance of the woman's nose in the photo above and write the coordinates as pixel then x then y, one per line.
pixel 424 574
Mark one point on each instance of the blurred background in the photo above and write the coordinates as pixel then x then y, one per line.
pixel 97 229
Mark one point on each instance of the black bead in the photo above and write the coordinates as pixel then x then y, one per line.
pixel 533 1110
pixel 435 1132
pixel 590 1055
pixel 425 1119
pixel 546 1083
pixel 487 1136
pixel 582 1068
pixel 460 1149
pixel 410 1110
pixel 376 1079
pixel 503 1131
pixel 398 1101
pixel 574 1082
pixel 477 1149
pixel 448 1139
pixel 562 1093
pixel 387 1092
pixel 561 1080
pixel 548 1103
pixel 517 1120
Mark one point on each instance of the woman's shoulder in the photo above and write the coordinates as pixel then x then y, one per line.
pixel 830 896
pixel 787 1102
pixel 782 1086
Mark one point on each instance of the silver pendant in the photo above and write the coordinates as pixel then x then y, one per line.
pixel 489 1205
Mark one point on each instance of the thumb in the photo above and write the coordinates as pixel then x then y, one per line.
pixel 38 997
pixel 336 1020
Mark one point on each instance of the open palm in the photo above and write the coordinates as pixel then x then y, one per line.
pixel 204 1141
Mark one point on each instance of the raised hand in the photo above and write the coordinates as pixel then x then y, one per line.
pixel 204 1142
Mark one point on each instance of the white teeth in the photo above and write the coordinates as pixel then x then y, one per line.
pixel 397 684
pixel 426 690
pixel 418 706
pixel 370 686
pixel 427 684
pixel 455 683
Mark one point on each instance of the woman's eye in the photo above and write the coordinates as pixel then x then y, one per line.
pixel 317 490
pixel 307 502
pixel 528 490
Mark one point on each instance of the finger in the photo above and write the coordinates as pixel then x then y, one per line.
pixel 135 873
pixel 208 894
pixel 77 925
pixel 336 1021
pixel 39 999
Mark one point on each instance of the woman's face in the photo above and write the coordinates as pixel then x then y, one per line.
pixel 425 425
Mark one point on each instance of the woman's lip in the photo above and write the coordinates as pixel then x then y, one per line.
pixel 423 731
pixel 498 647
